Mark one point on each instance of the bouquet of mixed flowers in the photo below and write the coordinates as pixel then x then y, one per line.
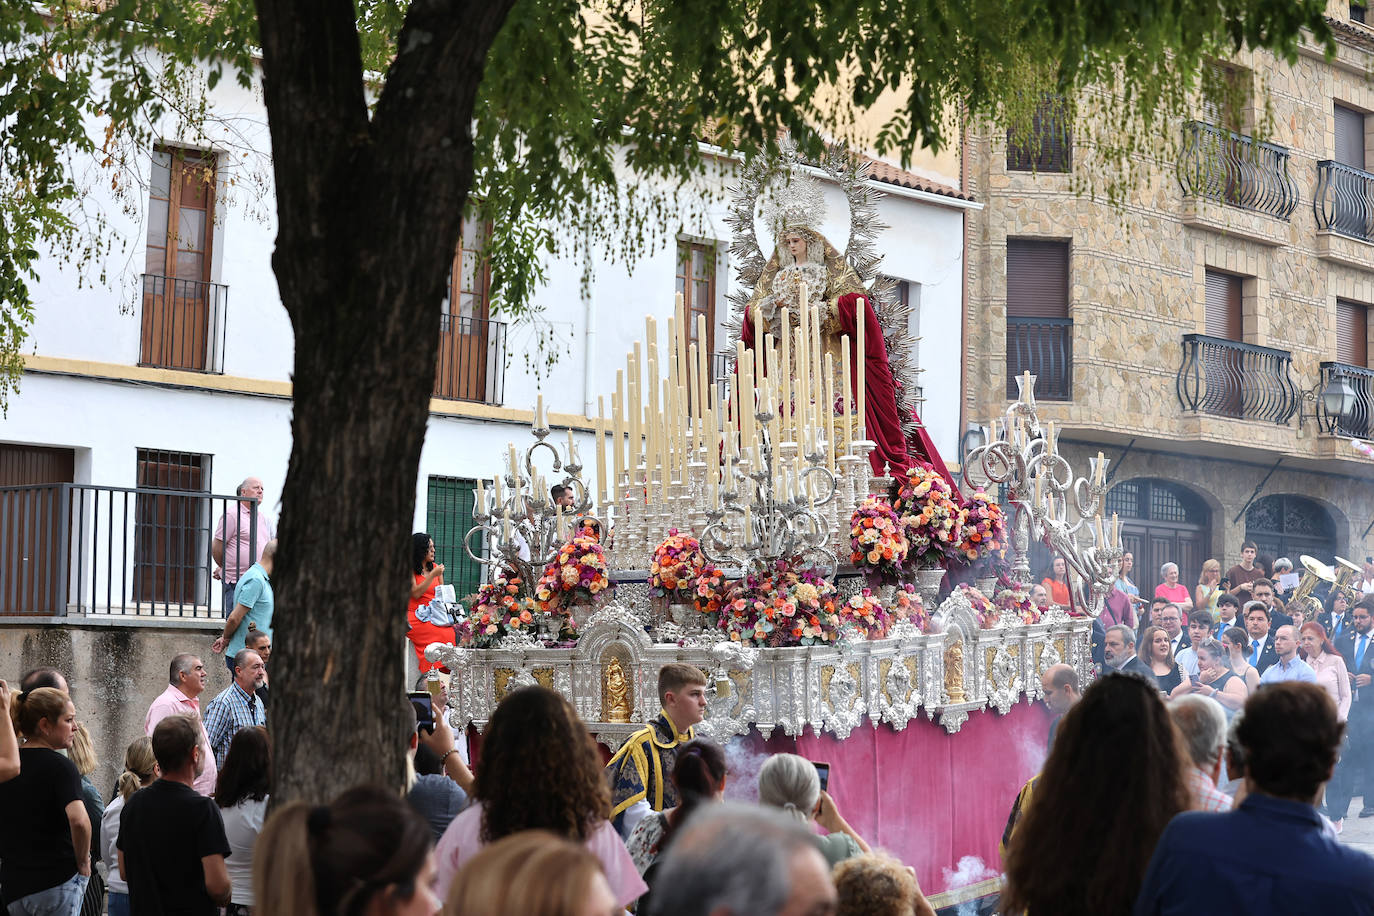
pixel 676 564
pixel 1016 600
pixel 783 608
pixel 865 614
pixel 577 575
pixel 982 530
pixel 709 589
pixel 499 608
pixel 983 609
pixel 907 605
pixel 877 543
pixel 929 515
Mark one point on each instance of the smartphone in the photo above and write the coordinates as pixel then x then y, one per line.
pixel 1194 679
pixel 1225 582
pixel 823 771
pixel 423 704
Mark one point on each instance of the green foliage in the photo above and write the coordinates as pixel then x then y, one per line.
pixel 591 115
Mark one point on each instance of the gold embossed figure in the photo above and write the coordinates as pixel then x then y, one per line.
pixel 954 672
pixel 617 693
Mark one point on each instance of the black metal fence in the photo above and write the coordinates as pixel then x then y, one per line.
pixel 1228 378
pixel 1222 165
pixel 1343 200
pixel 472 359
pixel 68 548
pixel 183 324
pixel 1357 421
pixel 1044 348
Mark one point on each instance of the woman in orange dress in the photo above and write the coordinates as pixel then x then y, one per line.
pixel 427 575
pixel 1057 582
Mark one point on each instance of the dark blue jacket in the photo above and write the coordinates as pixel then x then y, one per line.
pixel 1269 857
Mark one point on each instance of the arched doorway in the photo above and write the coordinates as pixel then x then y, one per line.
pixel 1161 522
pixel 1284 525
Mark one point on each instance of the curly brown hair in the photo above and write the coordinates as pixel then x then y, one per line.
pixel 874 884
pixel 1117 774
pixel 539 770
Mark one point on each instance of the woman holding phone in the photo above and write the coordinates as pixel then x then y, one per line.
pixel 1215 678
pixel 791 783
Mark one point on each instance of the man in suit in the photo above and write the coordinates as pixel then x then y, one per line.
pixel 1336 620
pixel 1119 651
pixel 1171 619
pixel 1264 591
pixel 1228 614
pixel 1355 775
pixel 1262 652
pixel 1151 619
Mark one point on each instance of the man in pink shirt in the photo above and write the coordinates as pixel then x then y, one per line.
pixel 238 543
pixel 188 679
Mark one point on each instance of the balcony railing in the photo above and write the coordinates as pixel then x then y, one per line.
pixel 472 359
pixel 183 324
pixel 1344 200
pixel 1044 348
pixel 69 548
pixel 1235 169
pixel 1227 378
pixel 1360 419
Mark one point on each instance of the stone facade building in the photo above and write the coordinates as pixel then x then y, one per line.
pixel 1190 333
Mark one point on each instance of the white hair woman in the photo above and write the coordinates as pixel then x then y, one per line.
pixel 790 782
pixel 1171 590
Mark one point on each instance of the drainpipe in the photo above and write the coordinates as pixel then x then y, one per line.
pixel 963 298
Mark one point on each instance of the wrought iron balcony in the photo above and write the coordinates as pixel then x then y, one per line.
pixel 182 325
pixel 1344 200
pixel 1221 165
pixel 1044 348
pixel 1357 421
pixel 472 359
pixel 1227 378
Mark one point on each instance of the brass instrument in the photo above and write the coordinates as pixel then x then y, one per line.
pixel 1348 576
pixel 1315 571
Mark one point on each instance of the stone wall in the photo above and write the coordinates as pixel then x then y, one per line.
pixel 1136 286
pixel 115 671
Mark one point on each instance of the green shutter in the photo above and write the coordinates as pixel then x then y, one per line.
pixel 448 517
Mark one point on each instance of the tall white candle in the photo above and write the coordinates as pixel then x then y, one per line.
pixel 505 525
pixel 601 453
pixel 828 412
pixel 846 368
pixel 539 413
pixel 481 497
pixel 785 377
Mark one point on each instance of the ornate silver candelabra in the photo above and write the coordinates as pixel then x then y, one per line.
pixel 1040 483
pixel 759 523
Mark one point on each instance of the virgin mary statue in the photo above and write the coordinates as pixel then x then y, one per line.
pixel 802 256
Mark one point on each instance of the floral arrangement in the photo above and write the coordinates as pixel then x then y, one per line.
pixel 577 575
pixel 929 515
pixel 676 564
pixel 983 609
pixel 784 608
pixel 907 605
pixel 1015 600
pixel 498 609
pixel 709 586
pixel 877 543
pixel 865 613
pixel 982 530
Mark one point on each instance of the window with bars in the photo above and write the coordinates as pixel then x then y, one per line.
pixel 1352 333
pixel 183 312
pixel 909 295
pixel 471 359
pixel 172 532
pixel 1048 146
pixel 1039 329
pixel 1357 12
pixel 448 518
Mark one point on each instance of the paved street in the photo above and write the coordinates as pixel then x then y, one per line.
pixel 1359 831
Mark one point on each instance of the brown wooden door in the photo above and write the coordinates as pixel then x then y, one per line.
pixel 1223 367
pixel 31 530
pixel 176 290
pixel 465 329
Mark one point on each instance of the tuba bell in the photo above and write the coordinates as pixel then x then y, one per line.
pixel 1315 571
pixel 1348 577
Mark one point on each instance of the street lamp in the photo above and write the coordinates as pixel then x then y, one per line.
pixel 1339 398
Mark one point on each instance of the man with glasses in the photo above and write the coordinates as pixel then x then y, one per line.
pixel 1354 775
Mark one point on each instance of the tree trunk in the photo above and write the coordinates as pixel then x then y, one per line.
pixel 369 216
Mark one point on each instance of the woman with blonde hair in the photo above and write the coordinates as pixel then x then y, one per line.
pixel 1208 586
pixel 45 843
pixel 790 782
pixel 82 755
pixel 367 853
pixel 140 768
pixel 511 877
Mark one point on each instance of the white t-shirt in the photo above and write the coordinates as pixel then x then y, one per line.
pixel 242 824
pixel 109 832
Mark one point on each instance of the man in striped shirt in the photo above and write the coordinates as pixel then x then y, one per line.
pixel 237 706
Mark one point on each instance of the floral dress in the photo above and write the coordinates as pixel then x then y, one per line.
pixel 646 839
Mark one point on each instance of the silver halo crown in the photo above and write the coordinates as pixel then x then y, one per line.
pixel 798 204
